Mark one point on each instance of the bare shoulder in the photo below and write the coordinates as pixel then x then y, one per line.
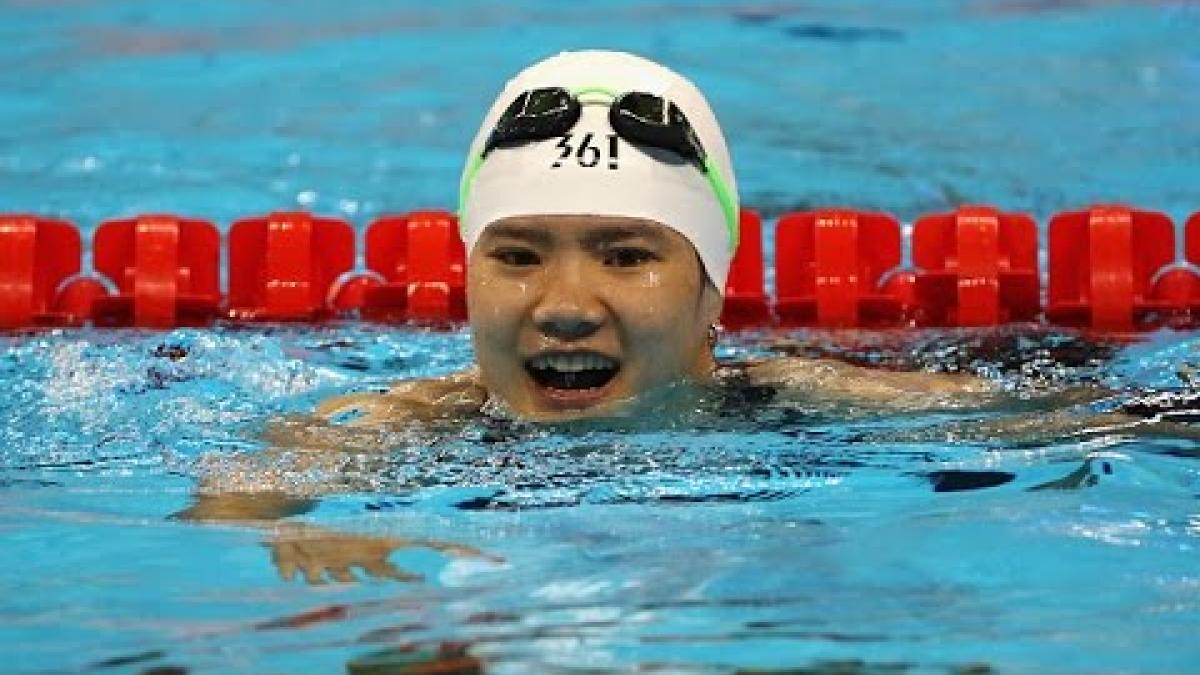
pixel 457 394
pixel 835 379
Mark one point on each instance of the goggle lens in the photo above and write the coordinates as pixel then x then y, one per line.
pixel 534 115
pixel 542 102
pixel 652 120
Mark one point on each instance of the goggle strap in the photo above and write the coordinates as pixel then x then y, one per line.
pixel 605 91
pixel 464 187
pixel 732 222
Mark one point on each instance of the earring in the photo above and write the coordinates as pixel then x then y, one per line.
pixel 712 335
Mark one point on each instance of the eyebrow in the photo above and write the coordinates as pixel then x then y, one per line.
pixel 609 235
pixel 592 239
pixel 529 234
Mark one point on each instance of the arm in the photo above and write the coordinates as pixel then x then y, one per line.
pixel 1056 415
pixel 829 379
pixel 244 507
pixel 259 490
pixel 258 486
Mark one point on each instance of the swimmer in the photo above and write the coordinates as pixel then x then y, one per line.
pixel 599 207
pixel 600 210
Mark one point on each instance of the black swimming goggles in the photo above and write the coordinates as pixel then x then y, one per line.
pixel 638 117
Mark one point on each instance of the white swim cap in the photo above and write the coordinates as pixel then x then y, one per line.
pixel 603 174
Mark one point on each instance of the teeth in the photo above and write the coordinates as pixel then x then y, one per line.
pixel 572 363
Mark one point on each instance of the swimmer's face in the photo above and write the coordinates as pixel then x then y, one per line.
pixel 572 316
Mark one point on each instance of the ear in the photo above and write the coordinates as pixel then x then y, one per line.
pixel 711 303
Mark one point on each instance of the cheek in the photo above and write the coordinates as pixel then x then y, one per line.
pixel 494 303
pixel 486 315
pixel 652 280
pixel 664 304
pixel 495 327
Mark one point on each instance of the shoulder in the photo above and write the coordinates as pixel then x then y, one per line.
pixel 434 390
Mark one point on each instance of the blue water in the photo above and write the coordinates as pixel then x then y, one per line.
pixel 763 536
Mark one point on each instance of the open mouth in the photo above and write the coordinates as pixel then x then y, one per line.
pixel 572 371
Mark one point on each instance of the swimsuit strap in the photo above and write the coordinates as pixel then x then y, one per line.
pixel 737 388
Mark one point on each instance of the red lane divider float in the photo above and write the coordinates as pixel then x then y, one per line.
pixel 829 265
pixel 1181 284
pixel 1178 285
pixel 1192 239
pixel 976 267
pixel 282 266
pixel 746 303
pixel 166 270
pixel 37 256
pixel 1102 262
pixel 1110 268
pixel 422 261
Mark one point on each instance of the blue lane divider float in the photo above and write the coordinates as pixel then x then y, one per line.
pixel 1109 268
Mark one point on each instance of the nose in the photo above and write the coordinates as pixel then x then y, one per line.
pixel 569 309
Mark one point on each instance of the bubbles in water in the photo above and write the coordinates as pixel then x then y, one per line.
pixel 306 198
pixel 89 164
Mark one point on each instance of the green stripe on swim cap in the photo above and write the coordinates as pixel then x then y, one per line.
pixel 464 185
pixel 732 218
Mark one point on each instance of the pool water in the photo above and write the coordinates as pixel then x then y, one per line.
pixel 756 535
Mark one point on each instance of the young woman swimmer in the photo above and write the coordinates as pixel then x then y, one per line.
pixel 598 204
pixel 599 207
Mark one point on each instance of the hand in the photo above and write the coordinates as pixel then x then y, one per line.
pixel 450 397
pixel 318 554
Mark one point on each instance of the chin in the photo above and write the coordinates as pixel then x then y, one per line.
pixel 559 407
pixel 606 409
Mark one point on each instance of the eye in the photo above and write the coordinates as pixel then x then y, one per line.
pixel 628 256
pixel 515 257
